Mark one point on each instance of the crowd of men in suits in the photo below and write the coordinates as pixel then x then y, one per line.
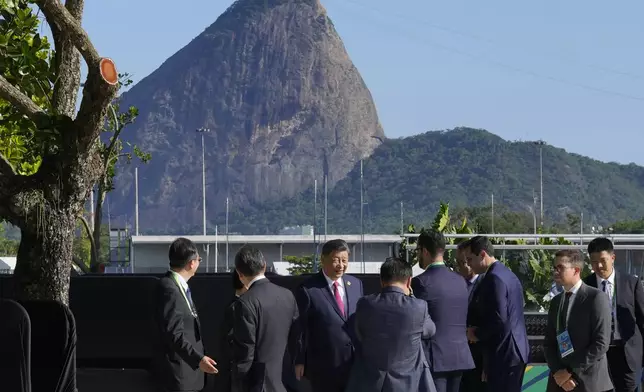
pixel 441 331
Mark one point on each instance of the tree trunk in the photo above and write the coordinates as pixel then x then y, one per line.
pixel 45 254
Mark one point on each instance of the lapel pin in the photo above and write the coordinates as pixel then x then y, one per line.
pixel 348 283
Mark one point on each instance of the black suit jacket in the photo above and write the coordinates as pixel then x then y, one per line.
pixel 179 348
pixel 629 314
pixel 264 318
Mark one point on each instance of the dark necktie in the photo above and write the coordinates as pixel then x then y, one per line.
pixel 563 315
pixel 605 289
pixel 192 304
pixel 338 297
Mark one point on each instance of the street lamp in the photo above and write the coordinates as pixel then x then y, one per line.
pixel 203 131
pixel 541 143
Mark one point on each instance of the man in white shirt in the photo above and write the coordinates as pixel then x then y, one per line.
pixel 578 331
pixel 626 304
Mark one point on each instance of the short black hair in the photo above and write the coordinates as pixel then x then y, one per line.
pixel 481 243
pixel 433 241
pixel 337 245
pixel 181 252
pixel 600 244
pixel 463 245
pixel 395 270
pixel 250 261
pixel 237 283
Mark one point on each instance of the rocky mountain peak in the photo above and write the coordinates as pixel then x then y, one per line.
pixel 273 82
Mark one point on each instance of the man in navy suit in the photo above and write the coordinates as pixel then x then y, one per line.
pixel 446 294
pixel 390 326
pixel 326 302
pixel 498 321
pixel 626 297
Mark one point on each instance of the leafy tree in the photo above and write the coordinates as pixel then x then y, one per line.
pixel 50 153
pixel 8 247
pixel 300 265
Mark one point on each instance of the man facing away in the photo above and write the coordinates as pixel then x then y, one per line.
pixel 326 302
pixel 263 319
pixel 390 326
pixel 472 379
pixel 446 295
pixel 578 331
pixel 180 358
pixel 497 319
pixel 626 304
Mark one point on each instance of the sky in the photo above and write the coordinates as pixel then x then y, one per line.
pixel 570 73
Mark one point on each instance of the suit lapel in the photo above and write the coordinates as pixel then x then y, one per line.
pixel 349 292
pixel 577 307
pixel 329 294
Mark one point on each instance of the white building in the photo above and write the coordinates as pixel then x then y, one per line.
pixel 149 254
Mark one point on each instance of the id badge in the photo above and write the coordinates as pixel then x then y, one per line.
pixel 565 345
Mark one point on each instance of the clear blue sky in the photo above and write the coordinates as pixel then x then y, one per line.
pixel 568 72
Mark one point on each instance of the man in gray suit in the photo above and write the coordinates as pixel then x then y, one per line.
pixel 578 331
pixel 390 326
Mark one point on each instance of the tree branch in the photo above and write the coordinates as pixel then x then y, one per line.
pixel 18 99
pixel 90 236
pixel 6 170
pixel 60 18
pixel 67 64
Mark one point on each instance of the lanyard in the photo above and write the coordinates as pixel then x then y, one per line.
pixel 176 279
pixel 437 264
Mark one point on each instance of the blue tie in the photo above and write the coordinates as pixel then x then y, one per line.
pixel 192 304
pixel 612 310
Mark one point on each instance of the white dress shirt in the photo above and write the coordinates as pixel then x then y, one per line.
pixel 341 289
pixel 611 295
pixel 573 290
pixel 185 287
pixel 255 279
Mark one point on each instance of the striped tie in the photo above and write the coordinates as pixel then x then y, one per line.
pixel 606 289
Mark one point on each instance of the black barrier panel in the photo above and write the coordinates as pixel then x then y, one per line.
pixel 115 314
pixel 114 319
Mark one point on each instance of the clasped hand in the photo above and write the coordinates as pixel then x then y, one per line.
pixel 563 378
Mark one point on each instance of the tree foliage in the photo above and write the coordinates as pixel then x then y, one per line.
pixel 300 265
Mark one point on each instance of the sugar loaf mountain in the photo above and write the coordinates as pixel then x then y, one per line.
pixel 274 83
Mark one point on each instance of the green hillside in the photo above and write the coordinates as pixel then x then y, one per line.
pixel 463 166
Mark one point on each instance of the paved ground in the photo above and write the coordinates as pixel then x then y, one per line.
pixel 535 378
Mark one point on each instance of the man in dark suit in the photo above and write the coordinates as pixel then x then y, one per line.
pixel 390 326
pixel 180 361
pixel 327 301
pixel 472 380
pixel 446 294
pixel 498 321
pixel 626 302
pixel 578 331
pixel 263 319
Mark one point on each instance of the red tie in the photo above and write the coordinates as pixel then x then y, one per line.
pixel 338 297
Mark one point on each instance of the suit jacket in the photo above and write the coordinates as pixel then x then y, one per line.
pixel 629 315
pixel 497 312
pixel 327 338
pixel 446 294
pixel 264 317
pixel 390 326
pixel 179 348
pixel 589 329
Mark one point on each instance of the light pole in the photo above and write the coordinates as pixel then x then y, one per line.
pixel 541 143
pixel 203 131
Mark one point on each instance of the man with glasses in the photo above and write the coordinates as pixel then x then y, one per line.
pixel 179 360
pixel 578 331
